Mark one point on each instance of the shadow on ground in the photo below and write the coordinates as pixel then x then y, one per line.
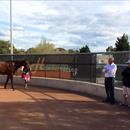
pixel 47 109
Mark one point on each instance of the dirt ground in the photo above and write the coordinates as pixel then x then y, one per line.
pixel 49 109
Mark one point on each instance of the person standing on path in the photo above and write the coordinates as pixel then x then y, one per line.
pixel 26 74
pixel 109 71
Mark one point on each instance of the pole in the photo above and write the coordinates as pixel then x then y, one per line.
pixel 11 27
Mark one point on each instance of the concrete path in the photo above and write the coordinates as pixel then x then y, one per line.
pixel 48 109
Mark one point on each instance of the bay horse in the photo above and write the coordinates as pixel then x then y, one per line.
pixel 9 68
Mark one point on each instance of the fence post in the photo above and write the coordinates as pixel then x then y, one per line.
pixel 60 71
pixel 59 68
pixel 74 66
pixel 129 54
pixel 95 67
pixel 91 56
pixel 45 66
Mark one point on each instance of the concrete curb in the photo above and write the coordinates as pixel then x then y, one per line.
pixel 69 85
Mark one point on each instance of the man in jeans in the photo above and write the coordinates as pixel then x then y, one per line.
pixel 109 71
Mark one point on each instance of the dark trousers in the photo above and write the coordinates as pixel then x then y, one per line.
pixel 109 86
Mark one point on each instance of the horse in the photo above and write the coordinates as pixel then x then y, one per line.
pixel 9 68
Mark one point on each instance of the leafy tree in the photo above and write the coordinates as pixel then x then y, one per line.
pixel 85 49
pixel 122 43
pixel 60 50
pixel 71 51
pixel 30 50
pixel 110 48
pixel 20 51
pixel 43 47
pixel 4 47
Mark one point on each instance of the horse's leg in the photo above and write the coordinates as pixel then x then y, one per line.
pixel 7 79
pixel 11 78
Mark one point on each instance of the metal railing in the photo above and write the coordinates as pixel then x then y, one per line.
pixel 81 67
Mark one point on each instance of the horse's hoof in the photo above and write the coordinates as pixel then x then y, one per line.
pixel 13 89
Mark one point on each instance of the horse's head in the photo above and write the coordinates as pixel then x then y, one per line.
pixel 18 64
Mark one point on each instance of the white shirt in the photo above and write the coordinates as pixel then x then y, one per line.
pixel 110 70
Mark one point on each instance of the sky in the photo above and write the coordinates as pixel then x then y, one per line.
pixel 66 23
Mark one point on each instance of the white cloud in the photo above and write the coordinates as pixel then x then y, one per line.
pixel 67 24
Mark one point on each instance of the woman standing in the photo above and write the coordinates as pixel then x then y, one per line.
pixel 26 74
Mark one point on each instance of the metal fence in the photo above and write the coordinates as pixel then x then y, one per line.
pixel 81 67
pixel 120 59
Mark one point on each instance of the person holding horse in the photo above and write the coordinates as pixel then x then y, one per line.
pixel 9 68
pixel 26 74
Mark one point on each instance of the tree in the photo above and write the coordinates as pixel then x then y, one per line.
pixel 60 50
pixel 71 51
pixel 30 50
pixel 122 43
pixel 20 51
pixel 4 47
pixel 85 49
pixel 43 47
pixel 110 48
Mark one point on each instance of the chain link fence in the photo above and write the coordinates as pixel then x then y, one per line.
pixel 81 67
pixel 120 60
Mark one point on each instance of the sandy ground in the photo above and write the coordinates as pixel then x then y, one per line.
pixel 48 109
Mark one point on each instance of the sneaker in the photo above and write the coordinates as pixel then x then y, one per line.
pixel 123 104
pixel 26 87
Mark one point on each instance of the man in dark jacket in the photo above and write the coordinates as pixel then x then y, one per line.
pixel 126 84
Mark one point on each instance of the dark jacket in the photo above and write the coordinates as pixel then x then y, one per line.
pixel 126 77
